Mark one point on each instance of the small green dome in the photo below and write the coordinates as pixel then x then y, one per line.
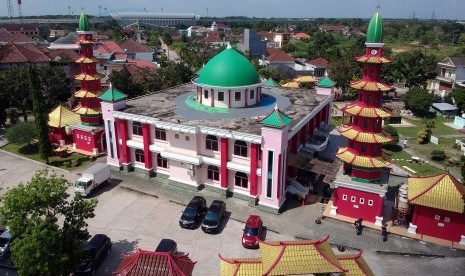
pixel 84 23
pixel 228 69
pixel 375 29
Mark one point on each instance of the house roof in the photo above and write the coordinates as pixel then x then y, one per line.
pixel 440 191
pixel 299 257
pixel 140 63
pixel 19 27
pixel 108 47
pixel 70 38
pixel 212 37
pixel 291 84
pixel 444 106
pixel 240 266
pixel 132 46
pixel 356 265
pixel 326 27
pixel 287 72
pixel 305 79
pixel 61 117
pixel 265 33
pixel 146 263
pixel 318 62
pixel 22 53
pixel 458 61
pixel 58 54
pixel 276 119
pixel 279 56
pixel 7 37
pixel 301 36
pixel 351 156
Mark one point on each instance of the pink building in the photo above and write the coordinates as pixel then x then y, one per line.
pixel 223 131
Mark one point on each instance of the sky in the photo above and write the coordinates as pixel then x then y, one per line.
pixel 421 9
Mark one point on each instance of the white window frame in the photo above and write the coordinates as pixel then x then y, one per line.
pixel 370 202
pixel 437 217
pixel 447 219
pixel 353 199
pixel 344 197
pixel 361 200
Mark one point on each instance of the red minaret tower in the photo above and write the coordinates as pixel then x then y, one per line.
pixel 363 157
pixel 87 136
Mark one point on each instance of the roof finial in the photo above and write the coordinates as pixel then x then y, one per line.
pixel 111 86
pixel 276 107
pixel 229 46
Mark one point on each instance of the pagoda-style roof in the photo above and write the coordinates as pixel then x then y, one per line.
pixel 276 119
pixel 148 263
pixel 353 157
pixel 84 25
pixel 87 94
pixel 373 59
pixel 88 77
pixel 86 60
pixel 375 29
pixel 112 95
pixel 326 82
pixel 271 83
pixel 241 266
pixel 61 117
pixel 370 86
pixel 356 134
pixel 356 265
pixel 357 109
pixel 87 110
pixel 299 257
pixel 291 84
pixel 305 79
pixel 440 191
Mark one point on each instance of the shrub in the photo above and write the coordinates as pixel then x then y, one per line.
pixel 67 164
pixel 392 131
pixel 438 155
pixel 75 162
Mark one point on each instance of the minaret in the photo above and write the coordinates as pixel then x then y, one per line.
pixel 363 157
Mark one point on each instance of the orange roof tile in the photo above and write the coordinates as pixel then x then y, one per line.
pixel 132 46
pixel 279 56
pixel 319 62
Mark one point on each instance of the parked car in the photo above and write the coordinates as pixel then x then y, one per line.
pixel 214 216
pixel 252 232
pixel 167 245
pixel 95 252
pixel 5 244
pixel 194 212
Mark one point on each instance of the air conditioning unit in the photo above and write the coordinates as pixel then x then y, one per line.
pixel 190 172
pixel 190 167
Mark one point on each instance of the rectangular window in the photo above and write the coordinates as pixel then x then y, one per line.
pixel 160 134
pixel 252 94
pixel 436 217
pixel 137 128
pixel 187 138
pixel 139 154
pixel 205 94
pixel 353 199
pixel 447 219
pixel 162 162
pixel 237 96
pixel 220 96
pixel 110 139
pixel 344 197
pixel 269 185
pixel 213 173
pixel 362 201
pixel 176 136
pixel 211 143
pixel 370 202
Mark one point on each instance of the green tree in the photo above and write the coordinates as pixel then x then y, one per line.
pixel 425 134
pixel 167 39
pixel 40 114
pixel 418 100
pixel 21 133
pixel 54 84
pixel 123 81
pixel 458 94
pixel 270 73
pixel 49 228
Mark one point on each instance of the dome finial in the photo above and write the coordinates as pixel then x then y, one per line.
pixel 84 25
pixel 375 29
pixel 229 46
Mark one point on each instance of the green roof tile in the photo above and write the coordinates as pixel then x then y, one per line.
pixel 228 69
pixel 271 82
pixel 84 23
pixel 375 29
pixel 112 95
pixel 326 82
pixel 276 119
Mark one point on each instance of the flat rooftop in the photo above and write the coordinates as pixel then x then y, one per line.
pixel 387 180
pixel 178 105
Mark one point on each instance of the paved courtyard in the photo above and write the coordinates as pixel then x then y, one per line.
pixel 137 212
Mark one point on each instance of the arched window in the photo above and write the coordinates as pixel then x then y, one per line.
pixel 240 148
pixel 241 180
pixel 137 128
pixel 162 162
pixel 211 143
pixel 139 156
pixel 213 173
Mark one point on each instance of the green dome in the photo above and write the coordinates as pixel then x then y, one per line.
pixel 228 69
pixel 84 23
pixel 375 29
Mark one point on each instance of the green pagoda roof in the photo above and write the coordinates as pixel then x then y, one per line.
pixel 326 82
pixel 228 69
pixel 84 25
pixel 276 119
pixel 375 29
pixel 112 95
pixel 271 82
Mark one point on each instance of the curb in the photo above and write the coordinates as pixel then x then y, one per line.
pixel 34 161
pixel 129 188
pixel 410 254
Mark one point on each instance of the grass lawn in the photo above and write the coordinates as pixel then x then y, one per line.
pixel 336 121
pixel 396 152
pixel 440 128
pixel 445 144
pixel 31 152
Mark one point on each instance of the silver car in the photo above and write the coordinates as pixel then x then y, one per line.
pixel 5 244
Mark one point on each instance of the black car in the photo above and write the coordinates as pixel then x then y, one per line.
pixel 193 213
pixel 95 251
pixel 215 214
pixel 167 245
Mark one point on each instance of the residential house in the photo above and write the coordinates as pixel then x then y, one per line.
pixel 451 74
pixel 342 29
pixel 136 50
pixel 17 38
pixel 252 44
pixel 319 67
pixel 22 55
pixel 29 29
pixel 299 36
pixel 281 37
pixel 279 58
pixel 213 38
pixel 57 31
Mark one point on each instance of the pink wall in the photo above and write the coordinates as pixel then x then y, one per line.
pixel 424 219
pixel 356 209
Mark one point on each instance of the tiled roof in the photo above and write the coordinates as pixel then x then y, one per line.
pixel 87 94
pixel 148 263
pixel 354 158
pixel 279 56
pixel 369 112
pixel 265 33
pixel 108 47
pixel 458 61
pixel 270 51
pixel 61 117
pixel 301 36
pixel 87 110
pixel 299 257
pixel 319 62
pixel 7 37
pixel 276 119
pixel 21 27
pixel 370 85
pixel 441 191
pixel 305 79
pixel 86 60
pixel 356 265
pixel 333 27
pixel 112 95
pixel 140 63
pixel 57 54
pixel 88 77
pixel 372 59
pixel 241 266
pixel 291 84
pixel 132 46
pixel 212 37
pixel 356 134
pixel 22 53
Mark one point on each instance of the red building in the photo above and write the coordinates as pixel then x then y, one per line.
pixel 438 207
pixel 60 120
pixel 88 135
pixel 355 195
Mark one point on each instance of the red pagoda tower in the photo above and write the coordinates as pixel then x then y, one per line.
pixel 88 135
pixel 363 158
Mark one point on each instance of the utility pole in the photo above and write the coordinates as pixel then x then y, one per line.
pixel 20 9
pixel 99 11
pixel 69 10
pixel 11 12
